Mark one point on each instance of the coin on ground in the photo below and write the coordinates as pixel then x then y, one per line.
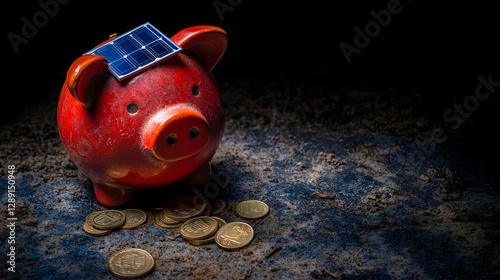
pixel 199 228
pixel 108 219
pixel 130 263
pixel 134 218
pixel 185 207
pixel 90 217
pixel 220 221
pixel 234 235
pixel 167 220
pixel 252 209
pixel 208 210
pixel 198 242
pixel 218 206
pixel 158 220
pixel 89 229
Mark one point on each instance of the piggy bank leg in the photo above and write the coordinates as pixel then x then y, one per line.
pixel 112 196
pixel 201 177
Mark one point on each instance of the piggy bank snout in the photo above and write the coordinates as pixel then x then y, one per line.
pixel 176 133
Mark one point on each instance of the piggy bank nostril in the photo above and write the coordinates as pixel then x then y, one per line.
pixel 194 133
pixel 171 139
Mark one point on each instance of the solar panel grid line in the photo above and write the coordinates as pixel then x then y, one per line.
pixel 135 50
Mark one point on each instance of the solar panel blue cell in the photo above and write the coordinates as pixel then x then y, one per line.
pixel 144 36
pixel 142 57
pixel 159 48
pixel 127 44
pixel 171 44
pixel 110 53
pixel 121 67
pixel 135 50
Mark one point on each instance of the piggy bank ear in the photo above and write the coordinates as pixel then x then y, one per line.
pixel 204 43
pixel 85 76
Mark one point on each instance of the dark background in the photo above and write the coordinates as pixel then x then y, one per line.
pixel 300 120
pixel 438 49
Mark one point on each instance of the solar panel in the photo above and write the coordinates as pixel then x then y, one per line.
pixel 134 50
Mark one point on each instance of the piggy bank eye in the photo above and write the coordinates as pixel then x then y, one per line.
pixel 132 108
pixel 195 90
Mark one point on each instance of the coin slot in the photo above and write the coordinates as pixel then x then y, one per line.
pixel 194 132
pixel 172 139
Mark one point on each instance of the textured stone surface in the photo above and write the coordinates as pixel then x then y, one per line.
pixel 355 188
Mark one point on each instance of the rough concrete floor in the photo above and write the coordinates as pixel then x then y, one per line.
pixel 397 207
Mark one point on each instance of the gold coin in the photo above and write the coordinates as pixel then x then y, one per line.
pixel 220 221
pixel 91 216
pixel 134 218
pixel 89 229
pixel 208 210
pixel 131 263
pixel 183 208
pixel 159 222
pixel 108 219
pixel 218 206
pixel 199 228
pixel 198 242
pixel 234 235
pixel 252 209
pixel 167 220
pixel 201 241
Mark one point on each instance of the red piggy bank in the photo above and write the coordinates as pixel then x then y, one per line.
pixel 158 127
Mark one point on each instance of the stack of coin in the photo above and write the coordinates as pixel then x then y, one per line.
pixel 180 209
pixel 99 223
pixel 198 227
pixel 164 221
pixel 201 230
pixel 88 226
pixel 134 218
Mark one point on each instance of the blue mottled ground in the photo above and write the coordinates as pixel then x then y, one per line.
pixel 402 208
